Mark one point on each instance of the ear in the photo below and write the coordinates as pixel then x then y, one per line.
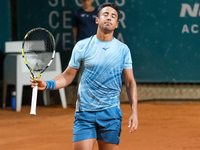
pixel 117 25
pixel 97 20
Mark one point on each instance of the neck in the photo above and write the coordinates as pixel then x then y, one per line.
pixel 104 36
pixel 88 8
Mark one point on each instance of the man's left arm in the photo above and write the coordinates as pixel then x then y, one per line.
pixel 131 88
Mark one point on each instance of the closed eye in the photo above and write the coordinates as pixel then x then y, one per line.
pixel 113 16
pixel 105 13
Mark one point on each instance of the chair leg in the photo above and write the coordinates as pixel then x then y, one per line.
pixel 5 86
pixel 46 97
pixel 63 97
pixel 19 90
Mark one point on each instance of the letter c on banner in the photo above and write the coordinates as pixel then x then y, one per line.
pixel 78 3
pixel 53 4
pixel 51 20
pixel 120 4
pixel 194 26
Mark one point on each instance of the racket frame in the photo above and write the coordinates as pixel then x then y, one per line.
pixel 35 89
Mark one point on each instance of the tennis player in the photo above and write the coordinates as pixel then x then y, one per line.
pixel 98 115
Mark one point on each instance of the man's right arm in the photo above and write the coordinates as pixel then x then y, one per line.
pixel 62 80
pixel 66 77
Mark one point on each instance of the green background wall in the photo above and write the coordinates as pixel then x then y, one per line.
pixel 5 29
pixel 162 34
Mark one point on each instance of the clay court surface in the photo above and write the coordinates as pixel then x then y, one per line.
pixel 162 126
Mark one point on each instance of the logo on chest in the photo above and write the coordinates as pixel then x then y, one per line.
pixel 84 15
pixel 105 48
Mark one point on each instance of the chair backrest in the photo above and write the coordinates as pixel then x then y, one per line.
pixel 31 45
pixel 13 47
pixel 16 46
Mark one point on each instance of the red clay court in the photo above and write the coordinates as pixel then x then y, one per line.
pixel 162 126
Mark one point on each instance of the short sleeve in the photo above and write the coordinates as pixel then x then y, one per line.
pixel 76 57
pixel 128 59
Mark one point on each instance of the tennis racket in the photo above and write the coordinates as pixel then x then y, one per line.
pixel 38 51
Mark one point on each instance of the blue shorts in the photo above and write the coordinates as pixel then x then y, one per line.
pixel 102 125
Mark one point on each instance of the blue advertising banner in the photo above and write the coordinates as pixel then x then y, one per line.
pixel 162 35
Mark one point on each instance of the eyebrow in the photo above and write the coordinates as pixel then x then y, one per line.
pixel 108 13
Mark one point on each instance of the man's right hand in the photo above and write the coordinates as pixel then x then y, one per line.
pixel 39 82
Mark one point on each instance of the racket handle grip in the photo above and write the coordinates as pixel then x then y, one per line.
pixel 34 100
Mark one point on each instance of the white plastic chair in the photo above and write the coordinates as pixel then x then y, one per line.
pixel 16 73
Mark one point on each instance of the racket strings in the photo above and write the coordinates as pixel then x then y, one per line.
pixel 38 49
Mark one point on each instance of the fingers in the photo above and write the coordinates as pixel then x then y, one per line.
pixel 133 124
pixel 129 123
pixel 133 127
pixel 33 82
pixel 38 82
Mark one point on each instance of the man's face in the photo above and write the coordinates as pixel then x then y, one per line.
pixel 107 19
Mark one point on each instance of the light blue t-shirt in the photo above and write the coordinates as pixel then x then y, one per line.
pixel 103 63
